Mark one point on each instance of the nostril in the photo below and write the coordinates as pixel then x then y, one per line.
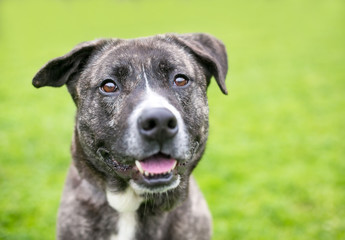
pixel 172 123
pixel 149 124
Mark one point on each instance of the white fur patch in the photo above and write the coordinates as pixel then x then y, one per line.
pixel 126 226
pixel 125 203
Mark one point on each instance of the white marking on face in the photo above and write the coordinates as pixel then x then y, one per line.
pixel 136 145
pixel 146 81
pixel 125 203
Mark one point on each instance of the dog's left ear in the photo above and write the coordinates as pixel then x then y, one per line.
pixel 211 52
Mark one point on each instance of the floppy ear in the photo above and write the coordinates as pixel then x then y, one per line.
pixel 60 70
pixel 211 52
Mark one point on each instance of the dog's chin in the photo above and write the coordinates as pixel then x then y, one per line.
pixel 155 174
pixel 142 187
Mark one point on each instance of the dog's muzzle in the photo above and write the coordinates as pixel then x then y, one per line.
pixel 157 172
pixel 160 170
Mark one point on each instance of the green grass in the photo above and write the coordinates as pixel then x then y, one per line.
pixel 275 162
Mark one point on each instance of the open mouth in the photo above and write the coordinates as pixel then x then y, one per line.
pixel 157 169
pixel 157 173
pixel 156 166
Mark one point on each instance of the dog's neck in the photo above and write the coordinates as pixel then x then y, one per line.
pixel 126 203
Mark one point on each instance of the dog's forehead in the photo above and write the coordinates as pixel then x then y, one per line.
pixel 145 52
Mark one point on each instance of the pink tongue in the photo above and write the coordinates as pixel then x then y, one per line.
pixel 157 164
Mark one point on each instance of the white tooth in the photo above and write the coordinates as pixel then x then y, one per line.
pixel 174 165
pixel 146 173
pixel 139 166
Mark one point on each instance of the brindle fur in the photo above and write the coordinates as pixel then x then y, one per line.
pixel 102 123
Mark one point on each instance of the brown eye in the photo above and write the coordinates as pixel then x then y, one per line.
pixel 109 86
pixel 180 80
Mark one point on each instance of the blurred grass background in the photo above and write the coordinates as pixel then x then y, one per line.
pixel 274 166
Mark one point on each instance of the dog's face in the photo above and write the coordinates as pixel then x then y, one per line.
pixel 142 112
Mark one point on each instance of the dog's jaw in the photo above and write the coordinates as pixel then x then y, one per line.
pixel 141 190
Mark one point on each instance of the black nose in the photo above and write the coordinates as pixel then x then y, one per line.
pixel 157 124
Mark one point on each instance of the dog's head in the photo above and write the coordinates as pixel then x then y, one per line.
pixel 142 112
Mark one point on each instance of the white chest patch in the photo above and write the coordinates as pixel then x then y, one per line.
pixel 125 203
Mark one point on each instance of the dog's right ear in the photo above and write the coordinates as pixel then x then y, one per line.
pixel 60 70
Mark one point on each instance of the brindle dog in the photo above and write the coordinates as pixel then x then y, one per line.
pixel 141 128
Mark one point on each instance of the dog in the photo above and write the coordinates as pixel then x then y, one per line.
pixel 141 128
